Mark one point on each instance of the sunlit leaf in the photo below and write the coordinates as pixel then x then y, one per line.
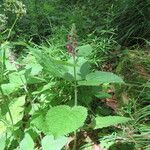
pixel 62 120
pixel 9 88
pixel 27 143
pixel 107 121
pixel 49 143
pixel 16 109
pixel 99 77
pixel 84 50
pixel 2 141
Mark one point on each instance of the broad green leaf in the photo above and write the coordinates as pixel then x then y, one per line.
pixel 35 68
pixel 99 77
pixel 48 63
pixel 16 109
pixel 39 122
pixel 2 127
pixel 45 88
pixel 27 143
pixel 102 95
pixel 82 69
pixel 62 120
pixel 9 88
pixel 35 80
pixel 17 78
pixel 10 66
pixel 2 141
pixel 107 121
pixel 49 143
pixel 84 50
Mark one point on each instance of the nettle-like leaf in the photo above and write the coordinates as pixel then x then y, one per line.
pixel 25 77
pixel 102 95
pixel 107 121
pixel 2 141
pixel 99 77
pixel 17 78
pixel 49 143
pixel 2 127
pixel 39 122
pixel 27 143
pixel 82 69
pixel 61 120
pixel 35 68
pixel 10 66
pixel 16 109
pixel 48 63
pixel 84 50
pixel 9 88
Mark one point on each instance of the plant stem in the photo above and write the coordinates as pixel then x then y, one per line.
pixel 75 99
pixel 10 30
pixel 75 140
pixel 75 83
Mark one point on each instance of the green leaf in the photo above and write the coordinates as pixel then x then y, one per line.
pixel 99 77
pixel 62 120
pixel 16 109
pixel 27 143
pixel 2 141
pixel 17 78
pixel 35 68
pixel 107 121
pixel 2 127
pixel 39 122
pixel 44 88
pixel 84 50
pixel 49 143
pixel 10 66
pixel 48 63
pixel 9 88
pixel 35 80
pixel 102 95
pixel 82 69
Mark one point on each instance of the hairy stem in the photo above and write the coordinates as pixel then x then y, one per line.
pixel 75 99
pixel 75 84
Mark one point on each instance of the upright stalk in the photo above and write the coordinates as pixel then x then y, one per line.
pixel 75 99
pixel 71 47
pixel 75 83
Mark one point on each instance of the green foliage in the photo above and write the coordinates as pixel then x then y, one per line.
pixel 99 77
pixel 55 123
pixel 84 50
pixel 55 144
pixel 26 143
pixel 48 96
pixel 17 109
pixel 131 20
pixel 2 141
pixel 107 121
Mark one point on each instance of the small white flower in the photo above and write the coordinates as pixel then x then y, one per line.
pixel 15 6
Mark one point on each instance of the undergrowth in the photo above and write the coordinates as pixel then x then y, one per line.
pixel 84 87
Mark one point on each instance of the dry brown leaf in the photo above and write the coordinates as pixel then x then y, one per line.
pixel 112 103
